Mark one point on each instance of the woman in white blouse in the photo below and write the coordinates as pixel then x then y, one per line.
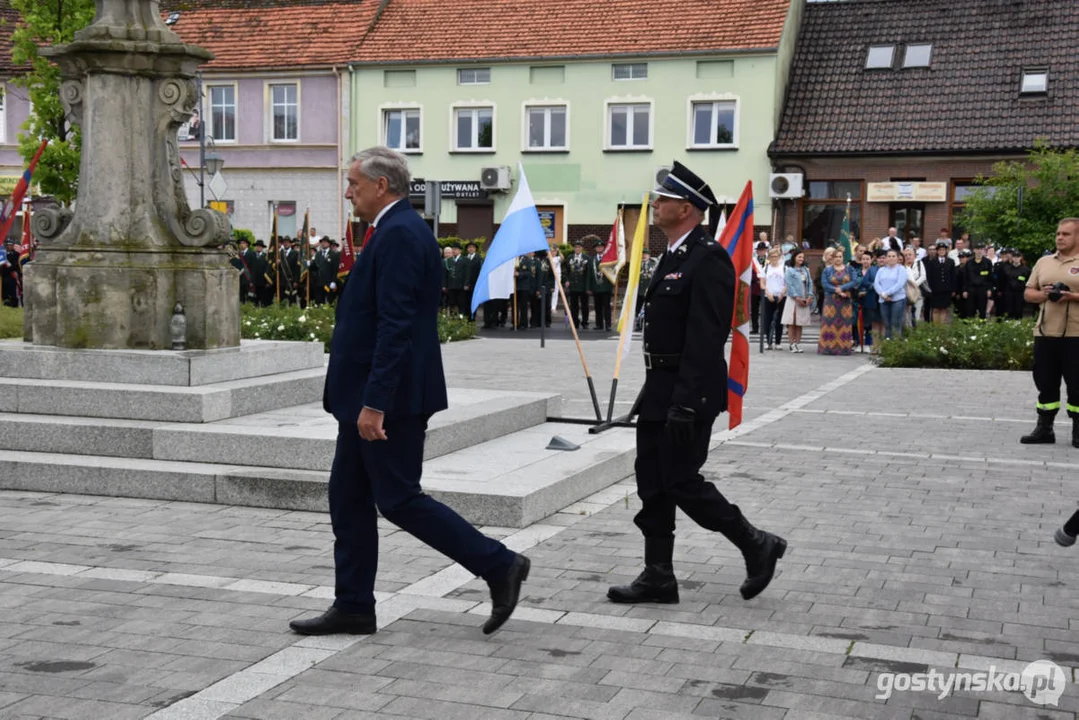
pixel 915 281
pixel 774 286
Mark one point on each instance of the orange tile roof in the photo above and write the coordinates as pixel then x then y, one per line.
pixel 263 34
pixel 258 35
pixel 437 30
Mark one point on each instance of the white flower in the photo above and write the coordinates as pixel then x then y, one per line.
pixel 248 323
pixel 302 318
pixel 973 337
pixel 943 351
pixel 280 328
pixel 312 336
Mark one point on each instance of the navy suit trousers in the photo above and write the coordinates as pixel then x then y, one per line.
pixel 386 474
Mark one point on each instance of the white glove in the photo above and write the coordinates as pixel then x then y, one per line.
pixel 333 286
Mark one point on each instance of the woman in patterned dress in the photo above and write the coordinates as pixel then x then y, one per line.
pixel 836 315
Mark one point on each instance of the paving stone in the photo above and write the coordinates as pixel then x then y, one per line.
pixel 938 560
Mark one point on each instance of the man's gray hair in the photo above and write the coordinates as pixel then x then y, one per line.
pixel 379 161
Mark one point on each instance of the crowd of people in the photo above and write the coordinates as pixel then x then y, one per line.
pixel 289 273
pixel 875 291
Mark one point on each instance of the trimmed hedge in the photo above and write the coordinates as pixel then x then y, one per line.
pixel 963 345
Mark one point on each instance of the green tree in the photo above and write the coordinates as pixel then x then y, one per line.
pixel 1027 220
pixel 44 23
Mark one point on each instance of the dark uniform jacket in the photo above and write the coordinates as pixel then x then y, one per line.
pixel 941 277
pixel 456 273
pixel 472 270
pixel 978 276
pixel 525 274
pixel 687 313
pixel 324 268
pixel 576 272
pixel 288 271
pixel 544 274
pixel 597 281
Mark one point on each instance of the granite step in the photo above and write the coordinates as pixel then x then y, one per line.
pixel 128 401
pixel 510 481
pixel 181 368
pixel 304 437
pixel 299 437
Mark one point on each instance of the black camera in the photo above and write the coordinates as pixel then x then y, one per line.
pixel 1056 291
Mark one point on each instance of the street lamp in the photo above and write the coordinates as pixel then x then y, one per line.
pixel 214 163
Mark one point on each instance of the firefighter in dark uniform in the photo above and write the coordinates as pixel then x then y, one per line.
pixel 524 273
pixel 576 282
pixel 544 281
pixel 1017 285
pixel 959 301
pixel 978 282
pixel 687 319
pixel 1054 285
pixel 1002 272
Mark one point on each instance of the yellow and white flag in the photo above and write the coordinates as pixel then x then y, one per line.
pixel 625 320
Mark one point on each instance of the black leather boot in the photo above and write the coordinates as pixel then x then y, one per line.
pixel 761 550
pixel 657 583
pixel 1043 432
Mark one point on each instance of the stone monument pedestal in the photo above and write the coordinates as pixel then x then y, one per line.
pixel 122 299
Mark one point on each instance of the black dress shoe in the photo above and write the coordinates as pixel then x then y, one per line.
pixel 505 592
pixel 333 622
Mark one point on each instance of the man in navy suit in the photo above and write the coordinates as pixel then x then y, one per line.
pixel 383 384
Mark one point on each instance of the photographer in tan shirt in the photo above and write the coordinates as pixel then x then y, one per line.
pixel 1054 285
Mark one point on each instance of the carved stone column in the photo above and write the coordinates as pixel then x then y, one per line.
pixel 108 274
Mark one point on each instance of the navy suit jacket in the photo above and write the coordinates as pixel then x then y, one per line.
pixel 385 352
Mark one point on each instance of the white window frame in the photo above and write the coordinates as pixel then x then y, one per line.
pixel 1033 73
pixel 630 65
pixel 269 86
pixel 474 105
pixel 529 105
pixel 906 55
pixel 384 110
pixel 869 53
pixel 608 104
pixel 474 69
pixel 208 118
pixel 690 117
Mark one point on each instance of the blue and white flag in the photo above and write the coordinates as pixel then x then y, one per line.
pixel 520 234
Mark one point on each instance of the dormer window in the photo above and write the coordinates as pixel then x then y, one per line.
pixel 1035 82
pixel 880 57
pixel 917 55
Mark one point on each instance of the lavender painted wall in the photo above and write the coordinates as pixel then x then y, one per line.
pixel 16 110
pixel 253 147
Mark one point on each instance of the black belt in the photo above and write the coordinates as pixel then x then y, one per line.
pixel 653 361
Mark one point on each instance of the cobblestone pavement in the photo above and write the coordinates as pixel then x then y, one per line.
pixel 920 540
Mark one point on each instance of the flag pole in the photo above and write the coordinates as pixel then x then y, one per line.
pixel 577 340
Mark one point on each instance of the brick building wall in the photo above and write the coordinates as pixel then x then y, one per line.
pixel 876 215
